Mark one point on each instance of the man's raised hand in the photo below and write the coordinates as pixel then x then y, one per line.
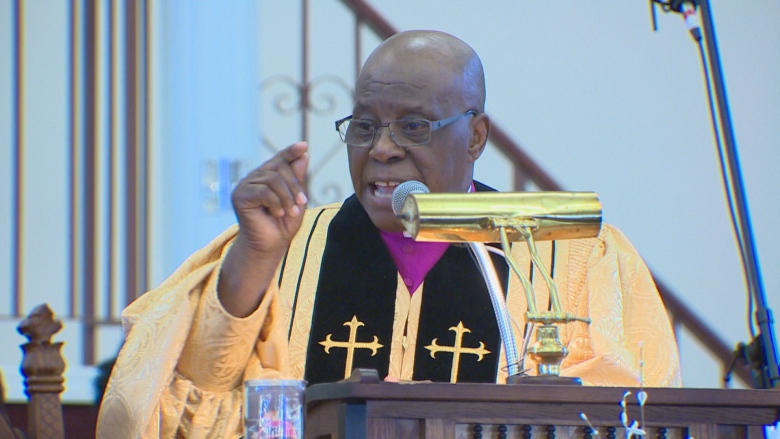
pixel 269 204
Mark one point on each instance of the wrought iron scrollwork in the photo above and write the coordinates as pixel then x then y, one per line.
pixel 320 97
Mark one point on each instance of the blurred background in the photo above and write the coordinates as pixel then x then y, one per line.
pixel 124 125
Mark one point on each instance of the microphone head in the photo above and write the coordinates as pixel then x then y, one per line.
pixel 404 189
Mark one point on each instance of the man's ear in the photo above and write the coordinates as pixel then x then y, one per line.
pixel 480 125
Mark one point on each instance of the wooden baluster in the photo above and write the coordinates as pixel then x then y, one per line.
pixel 477 431
pixel 586 432
pixel 527 431
pixel 550 432
pixel 611 433
pixel 501 431
pixel 661 432
pixel 42 367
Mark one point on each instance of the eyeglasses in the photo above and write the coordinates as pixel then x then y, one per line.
pixel 405 132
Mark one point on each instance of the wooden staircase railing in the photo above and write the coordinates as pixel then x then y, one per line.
pixel 527 171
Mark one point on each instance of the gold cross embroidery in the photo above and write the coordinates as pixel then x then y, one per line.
pixel 351 345
pixel 457 349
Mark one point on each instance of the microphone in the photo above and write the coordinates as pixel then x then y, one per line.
pixel 404 189
pixel 688 10
pixel 480 216
pixel 685 7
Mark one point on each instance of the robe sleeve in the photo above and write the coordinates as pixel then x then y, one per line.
pixel 631 338
pixel 181 369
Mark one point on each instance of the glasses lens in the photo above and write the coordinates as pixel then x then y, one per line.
pixel 357 132
pixel 411 132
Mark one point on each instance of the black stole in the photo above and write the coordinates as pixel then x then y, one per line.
pixel 358 278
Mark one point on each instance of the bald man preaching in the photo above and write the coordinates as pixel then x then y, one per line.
pixel 280 294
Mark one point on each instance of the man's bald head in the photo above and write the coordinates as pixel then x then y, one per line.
pixel 411 79
pixel 444 50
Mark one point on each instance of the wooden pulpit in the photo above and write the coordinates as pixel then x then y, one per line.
pixel 369 408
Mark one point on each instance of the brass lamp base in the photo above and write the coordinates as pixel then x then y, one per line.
pixel 544 380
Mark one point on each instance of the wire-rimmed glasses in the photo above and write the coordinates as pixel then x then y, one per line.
pixel 404 132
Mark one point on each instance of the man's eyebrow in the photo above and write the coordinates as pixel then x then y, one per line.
pixel 418 111
pixel 363 112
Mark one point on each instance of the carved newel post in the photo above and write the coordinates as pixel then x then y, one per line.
pixel 42 367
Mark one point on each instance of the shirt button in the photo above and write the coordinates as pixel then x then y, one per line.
pixel 408 281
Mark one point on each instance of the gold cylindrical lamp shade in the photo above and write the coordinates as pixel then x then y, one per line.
pixel 473 217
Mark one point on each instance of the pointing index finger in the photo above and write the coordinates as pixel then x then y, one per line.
pixel 294 151
pixel 297 158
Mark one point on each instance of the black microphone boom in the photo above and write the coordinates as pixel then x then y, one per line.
pixel 761 353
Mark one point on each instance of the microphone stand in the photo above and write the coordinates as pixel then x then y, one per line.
pixel 761 353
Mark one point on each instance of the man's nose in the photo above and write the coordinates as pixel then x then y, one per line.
pixel 384 148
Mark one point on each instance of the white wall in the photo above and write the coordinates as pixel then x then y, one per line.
pixel 205 110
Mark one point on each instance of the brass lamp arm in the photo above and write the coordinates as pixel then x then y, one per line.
pixel 548 318
pixel 527 287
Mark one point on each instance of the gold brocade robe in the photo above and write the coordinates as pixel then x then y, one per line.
pixel 181 369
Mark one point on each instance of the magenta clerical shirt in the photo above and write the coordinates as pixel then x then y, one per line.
pixel 412 258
